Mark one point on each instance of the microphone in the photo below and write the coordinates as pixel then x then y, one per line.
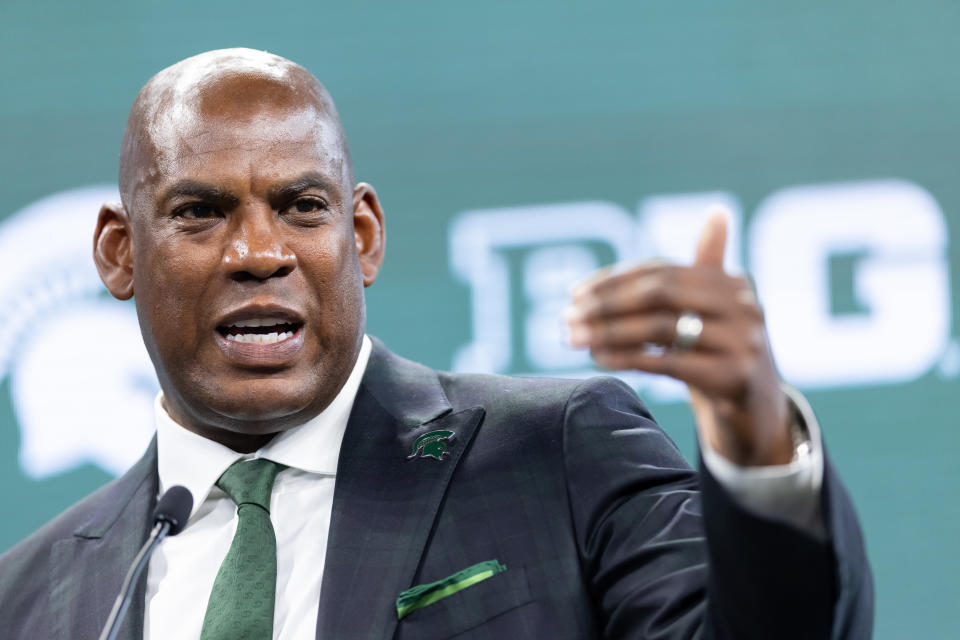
pixel 169 519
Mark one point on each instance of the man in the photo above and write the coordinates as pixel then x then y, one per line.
pixel 463 505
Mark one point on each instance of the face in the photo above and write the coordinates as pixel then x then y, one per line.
pixel 248 251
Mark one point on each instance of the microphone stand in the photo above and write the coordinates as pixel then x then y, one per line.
pixel 110 629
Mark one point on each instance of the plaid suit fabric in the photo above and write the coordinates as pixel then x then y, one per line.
pixel 550 487
pixel 574 488
pixel 61 582
pixel 571 485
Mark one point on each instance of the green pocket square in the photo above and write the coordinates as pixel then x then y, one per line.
pixel 424 594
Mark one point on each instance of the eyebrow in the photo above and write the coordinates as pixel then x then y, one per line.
pixel 202 191
pixel 212 193
pixel 309 180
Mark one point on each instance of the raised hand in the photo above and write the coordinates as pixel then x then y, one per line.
pixel 699 325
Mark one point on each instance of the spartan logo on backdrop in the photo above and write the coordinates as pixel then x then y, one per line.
pixel 81 382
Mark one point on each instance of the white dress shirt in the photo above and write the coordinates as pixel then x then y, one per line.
pixel 183 568
pixel 790 492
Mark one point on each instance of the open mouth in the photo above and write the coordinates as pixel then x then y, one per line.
pixel 259 331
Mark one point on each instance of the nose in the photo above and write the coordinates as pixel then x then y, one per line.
pixel 256 249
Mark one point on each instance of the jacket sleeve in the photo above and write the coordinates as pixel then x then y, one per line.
pixel 669 554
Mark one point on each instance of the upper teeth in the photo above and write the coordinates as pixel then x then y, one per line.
pixel 260 338
pixel 258 322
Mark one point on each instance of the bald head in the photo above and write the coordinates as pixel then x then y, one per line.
pixel 173 113
pixel 238 205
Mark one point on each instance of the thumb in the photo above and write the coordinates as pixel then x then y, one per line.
pixel 713 239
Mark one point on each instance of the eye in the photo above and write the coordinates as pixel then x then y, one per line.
pixel 196 211
pixel 305 206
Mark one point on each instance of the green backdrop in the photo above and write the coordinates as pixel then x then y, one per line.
pixel 491 107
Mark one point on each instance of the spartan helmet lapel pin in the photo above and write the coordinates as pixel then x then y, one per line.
pixel 432 444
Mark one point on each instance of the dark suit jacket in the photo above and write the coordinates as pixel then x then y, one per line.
pixel 603 528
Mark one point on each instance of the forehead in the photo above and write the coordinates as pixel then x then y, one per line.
pixel 256 153
pixel 196 139
pixel 230 121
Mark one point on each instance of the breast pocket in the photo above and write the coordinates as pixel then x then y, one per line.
pixel 468 608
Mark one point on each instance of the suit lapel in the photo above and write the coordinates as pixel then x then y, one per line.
pixel 87 569
pixel 385 501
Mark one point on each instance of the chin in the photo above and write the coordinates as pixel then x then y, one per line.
pixel 263 406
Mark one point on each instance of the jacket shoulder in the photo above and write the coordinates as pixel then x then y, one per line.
pixel 27 554
pixel 464 389
pixel 27 570
pixel 24 563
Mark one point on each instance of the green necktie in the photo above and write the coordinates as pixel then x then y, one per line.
pixel 242 600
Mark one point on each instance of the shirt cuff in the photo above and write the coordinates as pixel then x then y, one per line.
pixel 788 493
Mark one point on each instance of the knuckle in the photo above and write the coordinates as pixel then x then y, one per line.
pixel 608 305
pixel 600 332
pixel 742 283
pixel 661 294
pixel 750 340
pixel 664 329
pixel 757 340
pixel 745 369
pixel 612 332
pixel 750 308
pixel 601 304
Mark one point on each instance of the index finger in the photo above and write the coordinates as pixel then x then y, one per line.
pixel 702 290
pixel 612 276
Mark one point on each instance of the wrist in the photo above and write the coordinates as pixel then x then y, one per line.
pixel 762 436
pixel 791 442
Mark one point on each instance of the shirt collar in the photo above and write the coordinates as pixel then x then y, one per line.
pixel 189 459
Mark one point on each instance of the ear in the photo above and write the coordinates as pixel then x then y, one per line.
pixel 369 231
pixel 113 250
